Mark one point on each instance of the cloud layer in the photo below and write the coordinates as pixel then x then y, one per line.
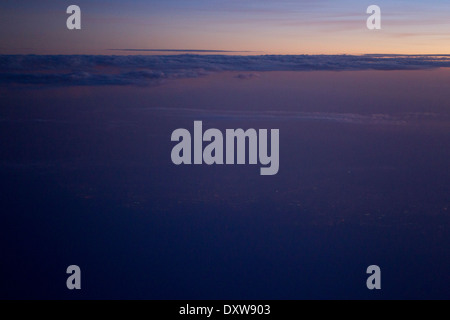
pixel 94 70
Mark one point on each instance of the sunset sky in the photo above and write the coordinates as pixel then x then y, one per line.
pixel 259 26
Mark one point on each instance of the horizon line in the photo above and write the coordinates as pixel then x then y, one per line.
pixel 182 50
pixel 226 51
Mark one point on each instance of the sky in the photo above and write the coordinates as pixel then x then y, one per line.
pixel 250 27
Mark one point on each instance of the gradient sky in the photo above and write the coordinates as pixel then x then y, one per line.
pixel 262 26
